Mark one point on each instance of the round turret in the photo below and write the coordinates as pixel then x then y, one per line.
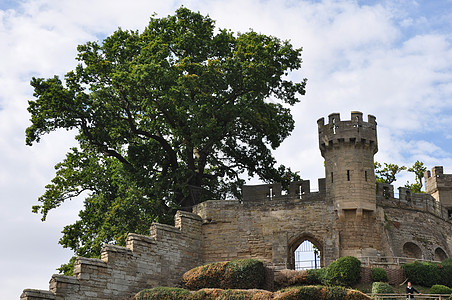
pixel 349 148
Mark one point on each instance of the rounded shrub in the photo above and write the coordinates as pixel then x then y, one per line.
pixel 379 274
pixel 423 273
pixel 237 274
pixel 344 271
pixel 316 276
pixel 440 289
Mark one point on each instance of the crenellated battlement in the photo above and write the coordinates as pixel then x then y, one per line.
pixel 273 192
pixel 354 131
pixel 406 199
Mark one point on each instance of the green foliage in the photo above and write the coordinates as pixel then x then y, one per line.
pixel 424 273
pixel 163 293
pixel 164 118
pixel 320 292
pixel 440 289
pixel 388 173
pixel 344 271
pixel 316 276
pixel 414 187
pixel 379 274
pixel 382 288
pixel 418 169
pixel 238 274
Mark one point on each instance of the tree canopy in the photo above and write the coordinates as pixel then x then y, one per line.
pixel 164 119
pixel 388 173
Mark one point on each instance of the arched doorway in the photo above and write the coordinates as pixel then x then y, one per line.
pixel 412 250
pixel 440 254
pixel 305 252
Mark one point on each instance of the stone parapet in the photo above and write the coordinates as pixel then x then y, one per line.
pixel 147 261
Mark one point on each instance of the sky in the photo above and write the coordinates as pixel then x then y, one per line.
pixel 391 59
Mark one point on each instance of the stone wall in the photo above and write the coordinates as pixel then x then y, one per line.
pixel 411 229
pixel 158 259
pixel 268 230
pixel 439 185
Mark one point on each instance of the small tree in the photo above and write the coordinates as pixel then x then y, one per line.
pixel 388 173
pixel 418 169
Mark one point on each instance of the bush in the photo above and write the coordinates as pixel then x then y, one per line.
pixel 238 274
pixel 316 276
pixel 382 288
pixel 285 278
pixel 379 274
pixel 163 293
pixel 440 289
pixel 320 292
pixel 345 271
pixel 423 273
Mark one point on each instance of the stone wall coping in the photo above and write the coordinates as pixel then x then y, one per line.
pixel 141 238
pixel 165 227
pixel 65 279
pixel 91 261
pixel 188 215
pixel 218 202
pixel 40 294
pixel 313 197
pixel 115 248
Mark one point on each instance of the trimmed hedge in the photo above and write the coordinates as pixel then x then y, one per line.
pixel 344 271
pixel 294 293
pixel 236 274
pixel 440 289
pixel 379 274
pixel 285 278
pixel 320 292
pixel 163 293
pixel 429 273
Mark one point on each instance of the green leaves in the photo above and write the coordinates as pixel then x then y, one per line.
pixel 164 118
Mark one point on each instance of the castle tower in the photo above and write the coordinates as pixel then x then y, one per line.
pixel 348 148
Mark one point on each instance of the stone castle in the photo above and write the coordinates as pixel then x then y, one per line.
pixel 349 215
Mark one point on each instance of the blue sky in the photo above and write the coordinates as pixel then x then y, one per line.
pixel 392 59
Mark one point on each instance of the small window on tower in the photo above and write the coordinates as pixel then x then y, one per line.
pixel 348 175
pixel 365 175
pixel 331 177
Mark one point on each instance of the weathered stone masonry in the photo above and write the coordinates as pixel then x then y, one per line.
pixel 349 215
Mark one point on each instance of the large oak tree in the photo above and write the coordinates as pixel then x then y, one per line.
pixel 164 118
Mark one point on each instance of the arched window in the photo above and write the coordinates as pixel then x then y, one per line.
pixel 305 253
pixel 412 250
pixel 440 254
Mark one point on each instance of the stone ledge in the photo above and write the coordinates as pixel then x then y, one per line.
pixel 189 215
pixel 65 279
pixel 32 294
pixel 140 238
pixel 164 227
pixel 91 262
pixel 115 248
